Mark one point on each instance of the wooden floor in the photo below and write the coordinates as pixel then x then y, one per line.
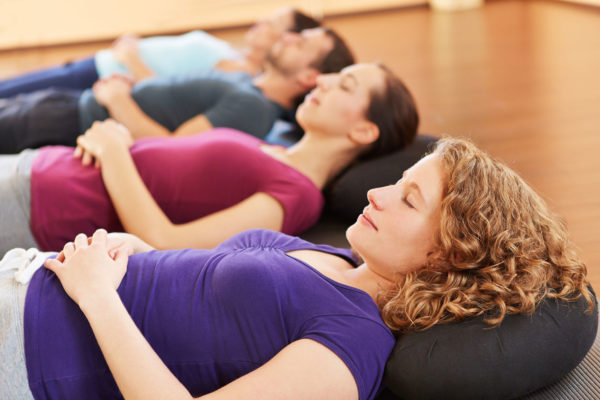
pixel 520 78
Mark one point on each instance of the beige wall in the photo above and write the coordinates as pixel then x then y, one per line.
pixel 25 23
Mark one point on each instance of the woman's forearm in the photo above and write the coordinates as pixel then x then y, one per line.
pixel 135 244
pixel 141 215
pixel 137 369
pixel 138 211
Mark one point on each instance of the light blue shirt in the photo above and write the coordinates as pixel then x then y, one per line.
pixel 193 52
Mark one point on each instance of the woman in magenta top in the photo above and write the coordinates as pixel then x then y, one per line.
pixel 199 190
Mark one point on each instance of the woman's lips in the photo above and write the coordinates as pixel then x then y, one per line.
pixel 313 99
pixel 366 219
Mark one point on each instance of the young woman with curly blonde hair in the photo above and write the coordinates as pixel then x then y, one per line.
pixel 263 314
pixel 499 250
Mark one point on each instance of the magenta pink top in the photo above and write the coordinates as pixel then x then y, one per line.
pixel 189 177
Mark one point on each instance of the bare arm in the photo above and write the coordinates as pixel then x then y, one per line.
pixel 91 276
pixel 134 245
pixel 197 124
pixel 115 94
pixel 302 370
pixel 140 214
pixel 137 369
pixel 126 51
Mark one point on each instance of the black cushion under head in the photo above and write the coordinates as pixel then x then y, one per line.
pixel 468 360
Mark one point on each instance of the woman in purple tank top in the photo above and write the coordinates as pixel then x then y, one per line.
pixel 199 190
pixel 433 246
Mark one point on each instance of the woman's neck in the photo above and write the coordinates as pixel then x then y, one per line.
pixel 340 270
pixel 320 158
pixel 364 278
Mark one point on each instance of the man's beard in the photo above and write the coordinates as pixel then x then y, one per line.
pixel 273 60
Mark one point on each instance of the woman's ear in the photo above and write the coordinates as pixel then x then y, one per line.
pixel 364 133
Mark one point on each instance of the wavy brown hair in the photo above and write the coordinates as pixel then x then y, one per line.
pixel 500 250
pixel 394 111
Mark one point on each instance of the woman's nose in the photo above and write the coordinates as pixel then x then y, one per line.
pixel 376 197
pixel 324 81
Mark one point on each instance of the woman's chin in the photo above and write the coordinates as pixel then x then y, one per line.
pixel 350 233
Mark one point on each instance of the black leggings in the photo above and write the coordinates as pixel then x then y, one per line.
pixel 38 119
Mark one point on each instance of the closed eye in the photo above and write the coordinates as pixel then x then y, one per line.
pixel 408 203
pixel 348 82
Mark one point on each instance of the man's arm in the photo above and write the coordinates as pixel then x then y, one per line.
pixel 126 111
pixel 115 94
pixel 197 124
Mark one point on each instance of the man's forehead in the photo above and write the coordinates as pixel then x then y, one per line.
pixel 315 34
pixel 318 37
pixel 313 31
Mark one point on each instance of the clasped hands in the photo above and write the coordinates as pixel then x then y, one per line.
pixel 100 140
pixel 89 268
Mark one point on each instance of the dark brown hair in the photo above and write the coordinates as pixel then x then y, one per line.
pixel 339 57
pixel 302 22
pixel 394 111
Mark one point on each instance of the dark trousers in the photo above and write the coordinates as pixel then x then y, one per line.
pixel 78 75
pixel 38 119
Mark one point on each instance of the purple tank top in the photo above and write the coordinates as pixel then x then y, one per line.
pixel 211 315
pixel 189 177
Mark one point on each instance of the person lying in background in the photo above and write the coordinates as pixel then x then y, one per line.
pixel 170 56
pixel 269 316
pixel 199 190
pixel 178 106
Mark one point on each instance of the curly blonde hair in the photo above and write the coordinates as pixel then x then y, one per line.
pixel 500 250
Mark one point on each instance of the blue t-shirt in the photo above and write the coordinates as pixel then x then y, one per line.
pixel 228 100
pixel 193 52
pixel 211 316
